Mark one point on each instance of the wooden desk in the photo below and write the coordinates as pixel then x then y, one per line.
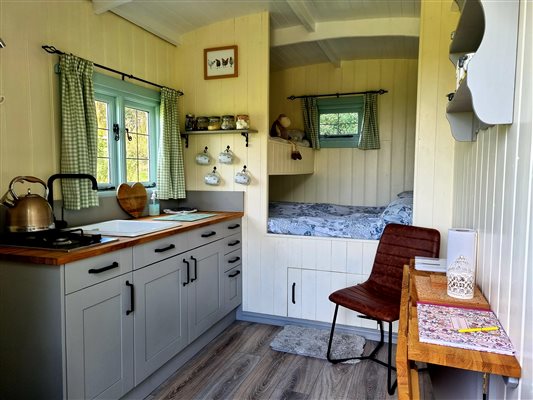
pixel 409 348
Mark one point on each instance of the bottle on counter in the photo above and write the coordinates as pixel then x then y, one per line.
pixel 153 206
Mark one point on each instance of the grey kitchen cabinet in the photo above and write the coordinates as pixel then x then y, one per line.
pixel 160 315
pixel 204 286
pixel 232 288
pixel 99 340
pixel 98 327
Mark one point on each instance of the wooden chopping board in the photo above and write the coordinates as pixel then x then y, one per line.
pixel 132 199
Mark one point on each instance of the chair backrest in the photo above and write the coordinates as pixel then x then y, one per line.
pixel 398 244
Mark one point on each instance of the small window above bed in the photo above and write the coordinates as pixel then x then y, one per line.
pixel 340 120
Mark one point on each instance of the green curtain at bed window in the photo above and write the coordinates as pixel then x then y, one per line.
pixel 79 131
pixel 311 122
pixel 170 170
pixel 369 139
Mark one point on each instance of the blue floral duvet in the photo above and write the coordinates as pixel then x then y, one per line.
pixel 331 220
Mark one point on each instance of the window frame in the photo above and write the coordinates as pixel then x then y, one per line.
pixel 119 95
pixel 335 105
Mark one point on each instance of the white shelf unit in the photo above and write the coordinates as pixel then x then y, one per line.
pixel 485 96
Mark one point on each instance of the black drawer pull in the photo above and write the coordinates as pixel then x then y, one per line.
pixel 234 274
pixel 188 273
pixel 98 270
pixel 195 269
pixel 294 293
pixel 234 226
pixel 208 234
pixel 132 298
pixel 169 247
pixel 234 243
pixel 234 260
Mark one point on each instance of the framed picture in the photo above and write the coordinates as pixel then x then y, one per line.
pixel 221 62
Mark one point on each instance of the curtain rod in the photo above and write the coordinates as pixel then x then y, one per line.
pixel 380 91
pixel 53 50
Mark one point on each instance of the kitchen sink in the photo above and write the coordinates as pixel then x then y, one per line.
pixel 127 228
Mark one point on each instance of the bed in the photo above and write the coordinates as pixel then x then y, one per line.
pixel 331 220
pixel 281 163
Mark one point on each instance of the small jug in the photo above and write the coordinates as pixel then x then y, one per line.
pixel 226 157
pixel 203 158
pixel 212 178
pixel 242 177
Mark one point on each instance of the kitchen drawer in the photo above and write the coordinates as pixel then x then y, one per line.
pixel 232 243
pixel 151 252
pixel 90 271
pixel 232 288
pixel 210 233
pixel 232 259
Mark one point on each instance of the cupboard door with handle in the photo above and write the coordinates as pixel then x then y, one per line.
pixel 232 288
pixel 99 340
pixel 160 314
pixel 294 290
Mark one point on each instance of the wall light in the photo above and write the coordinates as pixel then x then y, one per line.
pixel 2 44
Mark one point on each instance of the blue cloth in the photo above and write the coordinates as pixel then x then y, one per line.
pixel 331 220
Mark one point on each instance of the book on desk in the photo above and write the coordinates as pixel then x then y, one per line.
pixel 466 328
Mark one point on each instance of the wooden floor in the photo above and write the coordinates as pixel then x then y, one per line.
pixel 239 364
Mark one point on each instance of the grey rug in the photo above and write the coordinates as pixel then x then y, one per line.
pixel 313 342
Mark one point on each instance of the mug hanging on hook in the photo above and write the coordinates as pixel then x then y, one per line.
pixel 212 178
pixel 203 158
pixel 243 177
pixel 226 157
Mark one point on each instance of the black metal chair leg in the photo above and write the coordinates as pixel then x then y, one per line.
pixel 391 388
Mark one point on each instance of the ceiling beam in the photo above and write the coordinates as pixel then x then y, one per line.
pixel 330 53
pixel 374 27
pixel 299 8
pixel 101 6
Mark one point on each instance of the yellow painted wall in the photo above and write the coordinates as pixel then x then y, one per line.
pixel 248 94
pixel 352 176
pixel 434 143
pixel 30 116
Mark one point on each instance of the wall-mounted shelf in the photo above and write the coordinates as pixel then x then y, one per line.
pixel 485 97
pixel 243 132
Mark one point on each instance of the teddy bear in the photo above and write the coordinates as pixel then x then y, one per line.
pixel 279 127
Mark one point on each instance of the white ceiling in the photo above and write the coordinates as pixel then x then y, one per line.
pixel 302 31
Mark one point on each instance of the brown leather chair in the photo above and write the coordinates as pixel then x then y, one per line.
pixel 378 298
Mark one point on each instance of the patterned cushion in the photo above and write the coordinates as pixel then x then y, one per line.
pixel 407 193
pixel 399 211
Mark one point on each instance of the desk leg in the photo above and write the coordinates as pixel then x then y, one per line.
pixel 486 378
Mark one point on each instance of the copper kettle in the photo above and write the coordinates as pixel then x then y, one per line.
pixel 29 213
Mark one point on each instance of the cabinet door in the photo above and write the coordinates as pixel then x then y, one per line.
pixel 294 290
pixel 160 314
pixel 232 288
pixel 99 340
pixel 205 290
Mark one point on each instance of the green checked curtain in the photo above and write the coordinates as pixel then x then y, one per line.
pixel 369 139
pixel 311 122
pixel 79 131
pixel 170 171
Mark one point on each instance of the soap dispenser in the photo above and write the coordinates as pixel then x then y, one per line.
pixel 153 207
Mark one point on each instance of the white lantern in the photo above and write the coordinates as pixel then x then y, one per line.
pixel 461 261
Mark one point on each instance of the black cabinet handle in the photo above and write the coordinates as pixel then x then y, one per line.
pixel 188 273
pixel 294 293
pixel 169 247
pixel 98 270
pixel 132 298
pixel 234 260
pixel 234 243
pixel 234 226
pixel 234 274
pixel 208 234
pixel 195 269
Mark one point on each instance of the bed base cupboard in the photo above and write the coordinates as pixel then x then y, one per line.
pixel 120 325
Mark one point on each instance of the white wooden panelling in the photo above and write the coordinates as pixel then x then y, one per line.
pixel 352 176
pixel 281 163
pixel 494 192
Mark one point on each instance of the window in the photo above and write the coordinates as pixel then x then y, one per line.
pixel 340 120
pixel 128 122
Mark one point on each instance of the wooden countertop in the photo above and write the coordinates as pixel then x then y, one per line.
pixel 50 257
pixel 410 349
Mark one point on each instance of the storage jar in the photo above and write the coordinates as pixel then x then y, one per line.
pixel 214 124
pixel 228 122
pixel 243 121
pixel 202 123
